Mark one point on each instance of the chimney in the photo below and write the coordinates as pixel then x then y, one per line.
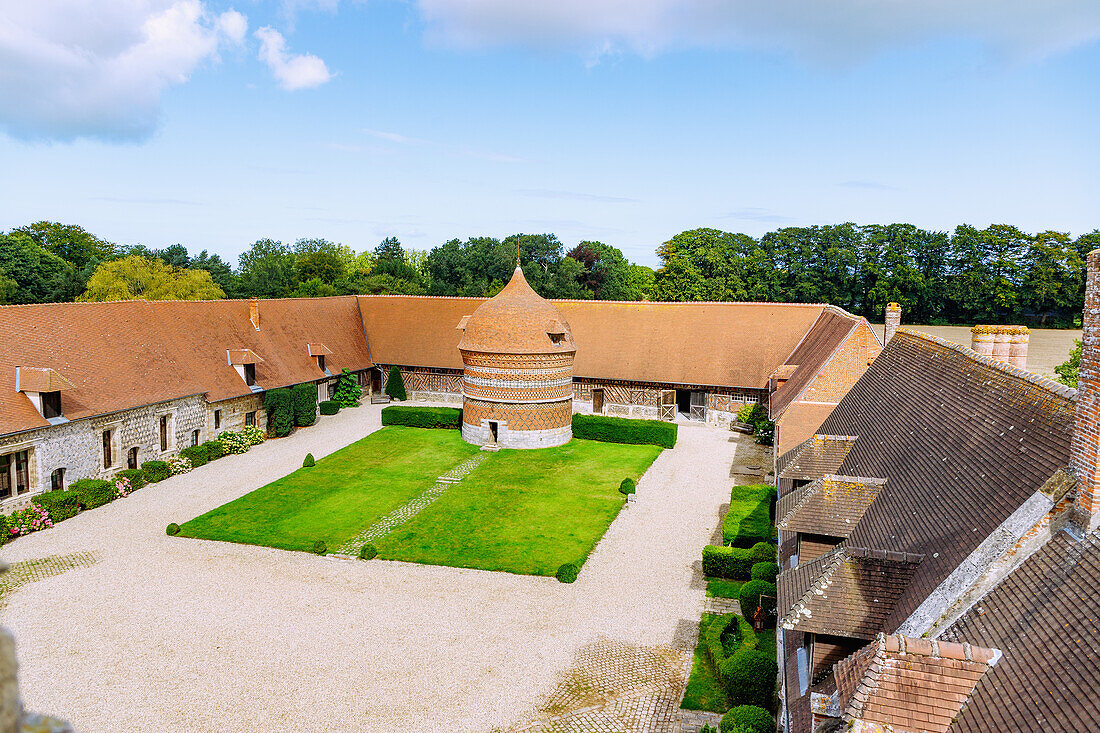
pixel 893 320
pixel 1007 344
pixel 1084 456
pixel 254 313
pixel 1017 347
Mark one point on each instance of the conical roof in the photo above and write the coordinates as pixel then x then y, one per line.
pixel 517 320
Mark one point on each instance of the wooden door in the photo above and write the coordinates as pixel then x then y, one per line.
pixel 699 406
pixel 597 401
pixel 668 405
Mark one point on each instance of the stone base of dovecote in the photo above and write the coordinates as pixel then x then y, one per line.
pixel 522 439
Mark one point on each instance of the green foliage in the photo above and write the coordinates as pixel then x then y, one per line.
pixel 267 270
pixel 214 449
pixel 723 588
pixel 624 430
pixel 757 594
pixel 135 476
pixel 422 417
pixel 735 563
pixel 279 406
pixel 60 505
pixel 368 552
pixel 395 385
pixel 141 278
pixel 348 390
pixel 197 454
pixel 320 547
pixel 154 471
pixel 750 678
pixel 309 462
pixel 29 273
pixel 708 729
pixel 766 571
pixel 232 442
pixel 172 529
pixel 765 551
pixel 764 434
pixel 92 493
pixel 329 407
pixel 748 520
pixel 751 413
pixel 747 719
pixel 627 487
pixel 69 242
pixel 1067 371
pixel 304 399
pixel 567 573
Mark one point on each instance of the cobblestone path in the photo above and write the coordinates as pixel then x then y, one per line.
pixel 29 571
pixel 722 606
pixel 414 506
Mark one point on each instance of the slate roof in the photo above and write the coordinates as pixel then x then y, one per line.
pixel 830 330
pixel 831 505
pixel 517 320
pixel 848 592
pixel 910 684
pixel 822 454
pixel 1045 617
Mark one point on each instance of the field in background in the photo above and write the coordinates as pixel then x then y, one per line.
pixel 1047 349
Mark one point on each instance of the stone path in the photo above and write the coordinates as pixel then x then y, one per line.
pixel 722 606
pixel 412 507
pixel 29 571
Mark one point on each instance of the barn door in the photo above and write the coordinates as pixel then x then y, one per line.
pixel 597 401
pixel 699 406
pixel 668 405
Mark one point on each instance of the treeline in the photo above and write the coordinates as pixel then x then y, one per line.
pixel 971 275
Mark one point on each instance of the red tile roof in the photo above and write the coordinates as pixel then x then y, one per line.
pixel 517 320
pixel 828 333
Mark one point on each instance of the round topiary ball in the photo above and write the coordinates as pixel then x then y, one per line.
pixel 750 677
pixel 567 573
pixel 368 552
pixel 747 719
pixel 627 487
pixel 319 547
pixel 309 462
pixel 766 571
pixel 765 552
pixel 757 593
pixel 172 529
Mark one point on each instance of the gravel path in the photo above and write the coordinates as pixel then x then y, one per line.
pixel 166 633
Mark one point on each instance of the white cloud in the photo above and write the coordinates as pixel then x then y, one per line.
pixel 81 68
pixel 293 71
pixel 835 31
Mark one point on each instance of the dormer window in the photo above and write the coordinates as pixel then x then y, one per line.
pixel 557 338
pixel 244 361
pixel 51 404
pixel 43 388
pixel 249 374
pixel 321 362
pixel 557 331
pixel 319 352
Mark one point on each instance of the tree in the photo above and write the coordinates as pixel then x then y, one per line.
pixel 31 274
pixel 267 270
pixel 639 283
pixel 1068 370
pixel 71 243
pixel 606 271
pixel 395 386
pixel 220 272
pixel 321 259
pixel 390 259
pixel 348 390
pixel 176 256
pixel 140 278
pixel 469 268
pixel 313 288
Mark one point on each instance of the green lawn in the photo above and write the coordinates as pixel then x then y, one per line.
pixel 344 493
pixel 704 690
pixel 722 588
pixel 523 511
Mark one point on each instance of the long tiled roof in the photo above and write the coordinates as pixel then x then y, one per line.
pixel 830 330
pixel 121 355
pixel 962 440
pixel 831 505
pixel 1045 617
pixel 516 321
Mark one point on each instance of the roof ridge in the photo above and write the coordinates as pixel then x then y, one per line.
pixel 938 649
pixel 1036 379
pixel 870 480
pixel 873 670
pixel 807 493
pixel 829 562
pixel 889 555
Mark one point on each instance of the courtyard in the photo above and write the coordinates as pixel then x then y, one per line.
pixel 136 630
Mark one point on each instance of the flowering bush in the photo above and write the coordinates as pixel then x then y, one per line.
pixel 233 442
pixel 28 520
pixel 122 487
pixel 179 464
pixel 253 435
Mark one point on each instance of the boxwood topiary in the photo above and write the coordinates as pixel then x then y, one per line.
pixel 92 493
pixel 766 571
pixel 154 471
pixel 304 399
pixel 567 573
pixel 627 487
pixel 368 552
pixel 624 430
pixel 196 454
pixel 330 407
pixel 172 529
pixel 747 719
pixel 214 450
pixel 422 417
pixel 765 552
pixel 279 406
pixel 309 462
pixel 135 476
pixel 395 385
pixel 59 505
pixel 757 593
pixel 733 563
pixel 320 547
pixel 750 678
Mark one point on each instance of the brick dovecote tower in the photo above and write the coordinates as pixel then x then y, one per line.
pixel 893 320
pixel 517 383
pixel 1085 449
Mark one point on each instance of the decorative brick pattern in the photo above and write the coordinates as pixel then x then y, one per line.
pixel 538 416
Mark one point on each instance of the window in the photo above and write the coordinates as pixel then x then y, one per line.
pixel 194 437
pixel 557 338
pixel 163 433
pixel 14 474
pixel 321 362
pixel 132 458
pixel 250 419
pixel 331 390
pixel 108 450
pixel 217 419
pixel 57 480
pixel 250 374
pixel 51 404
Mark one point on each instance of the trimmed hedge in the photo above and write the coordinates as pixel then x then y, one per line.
pixel 395 385
pixel 60 505
pixel 627 487
pixel 624 430
pixel 422 417
pixel 309 462
pixel 154 471
pixel 749 676
pixel 135 475
pixel 304 399
pixel 330 407
pixel 735 563
pixel 748 520
pixel 747 719
pixel 279 406
pixel 567 573
pixel 766 571
pixel 92 492
pixel 214 450
pixel 197 454
pixel 750 597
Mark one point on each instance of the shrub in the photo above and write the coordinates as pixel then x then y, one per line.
pixel 765 552
pixel 422 417
pixel 748 520
pixel 60 505
pixel 304 398
pixel 154 471
pixel 330 407
pixel 214 449
pixel 178 465
pixel 723 638
pixel 279 407
pixel 197 454
pixel 766 571
pixel 253 435
pixel 750 678
pixel 567 573
pixel 309 462
pixel 172 529
pixel 627 487
pixel 31 519
pixel 752 413
pixel 319 547
pixel 92 493
pixel 624 430
pixel 757 593
pixel 708 729
pixel 764 433
pixel 395 385
pixel 747 719
pixel 122 487
pixel 734 563
pixel 348 391
pixel 368 552
pixel 135 477
pixel 233 442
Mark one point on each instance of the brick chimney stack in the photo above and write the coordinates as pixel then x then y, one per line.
pixel 1007 344
pixel 893 320
pixel 1084 458
pixel 254 313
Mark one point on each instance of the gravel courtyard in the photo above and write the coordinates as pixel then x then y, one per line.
pixel 149 632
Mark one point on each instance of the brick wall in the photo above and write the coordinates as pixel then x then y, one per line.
pixel 1084 458
pixel 845 368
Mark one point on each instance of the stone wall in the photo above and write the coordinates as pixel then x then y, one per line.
pixel 233 413
pixel 642 399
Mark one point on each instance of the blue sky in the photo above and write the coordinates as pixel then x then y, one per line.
pixel 214 124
